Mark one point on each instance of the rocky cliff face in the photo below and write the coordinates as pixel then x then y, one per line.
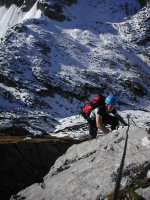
pixel 88 171
pixel 27 3
pixel 52 9
pixel 25 161
pixel 48 68
pixel 143 2
pixel 7 3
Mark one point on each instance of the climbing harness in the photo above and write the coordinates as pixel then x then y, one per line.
pixel 117 186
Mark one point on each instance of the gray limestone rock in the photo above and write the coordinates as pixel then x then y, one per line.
pixel 88 171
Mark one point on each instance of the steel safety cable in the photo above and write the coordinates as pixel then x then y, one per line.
pixel 117 186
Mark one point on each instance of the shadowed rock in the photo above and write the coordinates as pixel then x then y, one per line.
pixel 26 160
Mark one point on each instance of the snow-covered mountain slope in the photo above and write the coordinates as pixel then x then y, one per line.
pixel 11 14
pixel 48 67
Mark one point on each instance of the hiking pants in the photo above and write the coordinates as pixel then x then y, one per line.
pixel 92 129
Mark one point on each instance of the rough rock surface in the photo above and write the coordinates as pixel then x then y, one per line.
pixel 26 160
pixel 88 170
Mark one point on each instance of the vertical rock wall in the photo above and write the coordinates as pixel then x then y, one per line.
pixel 26 162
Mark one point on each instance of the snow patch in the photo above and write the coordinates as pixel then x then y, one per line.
pixel 146 142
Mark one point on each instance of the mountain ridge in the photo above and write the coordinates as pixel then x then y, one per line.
pixel 49 68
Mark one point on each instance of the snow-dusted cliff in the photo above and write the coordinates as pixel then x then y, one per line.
pixel 54 56
pixel 49 65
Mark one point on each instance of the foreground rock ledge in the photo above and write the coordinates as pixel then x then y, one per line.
pixel 25 160
pixel 88 171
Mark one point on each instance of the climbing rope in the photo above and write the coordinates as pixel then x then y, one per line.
pixel 117 186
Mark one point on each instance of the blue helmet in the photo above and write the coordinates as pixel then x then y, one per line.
pixel 111 100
